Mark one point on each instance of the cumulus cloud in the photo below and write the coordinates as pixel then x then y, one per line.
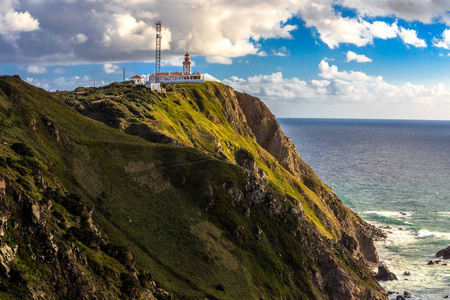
pixel 68 83
pixel 357 57
pixel 36 70
pixel 444 42
pixel 110 68
pixel 104 31
pixel 13 21
pixel 209 77
pixel 409 37
pixel 334 29
pixel 126 33
pixel 339 87
pixel 217 59
pixel 423 11
pixel 331 72
pixel 79 38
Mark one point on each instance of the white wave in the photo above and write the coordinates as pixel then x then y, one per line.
pixel 390 214
pixel 444 213
pixel 426 234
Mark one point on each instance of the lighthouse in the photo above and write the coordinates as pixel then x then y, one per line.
pixel 187 64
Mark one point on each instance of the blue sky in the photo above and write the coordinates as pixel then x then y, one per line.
pixel 303 58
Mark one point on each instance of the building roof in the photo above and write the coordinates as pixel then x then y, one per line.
pixel 187 54
pixel 136 77
pixel 168 74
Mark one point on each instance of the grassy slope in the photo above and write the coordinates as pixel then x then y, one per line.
pixel 147 198
pixel 171 205
pixel 195 116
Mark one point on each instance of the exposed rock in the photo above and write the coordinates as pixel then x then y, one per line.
pixel 392 292
pixel 32 209
pixel 247 212
pixel 406 273
pixel 407 294
pixel 2 188
pixel 384 274
pixel 349 242
pixel 431 262
pixel 445 253
pixel 52 128
pixel 269 135
pixel 298 210
pixel 399 297
pixel 3 225
pixel 7 254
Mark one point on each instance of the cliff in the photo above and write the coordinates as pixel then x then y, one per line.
pixel 181 195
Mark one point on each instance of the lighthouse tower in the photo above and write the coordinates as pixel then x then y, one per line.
pixel 187 64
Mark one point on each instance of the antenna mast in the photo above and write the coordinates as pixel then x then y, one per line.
pixel 158 51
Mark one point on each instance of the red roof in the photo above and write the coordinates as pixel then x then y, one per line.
pixel 136 76
pixel 187 54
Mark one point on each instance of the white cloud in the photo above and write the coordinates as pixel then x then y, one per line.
pixel 12 21
pixel 36 70
pixel 423 11
pixel 209 77
pixel 126 33
pixel 79 38
pixel 333 29
pixel 110 68
pixel 215 59
pixel 409 37
pixel 357 57
pixel 382 30
pixel 444 42
pixel 220 29
pixel 331 72
pixel 280 52
pixel 66 83
pixel 345 89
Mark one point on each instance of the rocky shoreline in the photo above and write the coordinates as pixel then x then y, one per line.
pixel 384 274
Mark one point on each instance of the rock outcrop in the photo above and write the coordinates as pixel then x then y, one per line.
pixel 445 253
pixel 384 274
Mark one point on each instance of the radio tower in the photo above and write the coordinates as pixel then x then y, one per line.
pixel 158 51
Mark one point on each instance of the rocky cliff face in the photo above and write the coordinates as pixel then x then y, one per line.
pixel 357 235
pixel 220 207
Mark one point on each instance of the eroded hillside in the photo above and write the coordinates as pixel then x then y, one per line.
pixel 180 184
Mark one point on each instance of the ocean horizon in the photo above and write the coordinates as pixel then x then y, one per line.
pixel 393 173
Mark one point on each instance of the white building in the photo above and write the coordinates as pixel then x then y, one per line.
pixel 179 77
pixel 137 79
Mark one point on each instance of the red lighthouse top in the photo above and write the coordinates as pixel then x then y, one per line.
pixel 186 57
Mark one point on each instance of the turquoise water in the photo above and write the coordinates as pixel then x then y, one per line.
pixel 393 173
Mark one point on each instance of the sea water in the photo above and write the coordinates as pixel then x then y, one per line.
pixel 393 173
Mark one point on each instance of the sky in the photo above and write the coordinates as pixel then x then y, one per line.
pixel 384 59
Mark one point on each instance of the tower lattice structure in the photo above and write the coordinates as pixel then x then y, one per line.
pixel 158 51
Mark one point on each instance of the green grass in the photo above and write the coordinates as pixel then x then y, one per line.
pixel 169 205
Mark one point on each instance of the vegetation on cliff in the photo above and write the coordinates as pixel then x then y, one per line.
pixel 181 185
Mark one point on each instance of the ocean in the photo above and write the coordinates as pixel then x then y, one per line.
pixel 393 173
